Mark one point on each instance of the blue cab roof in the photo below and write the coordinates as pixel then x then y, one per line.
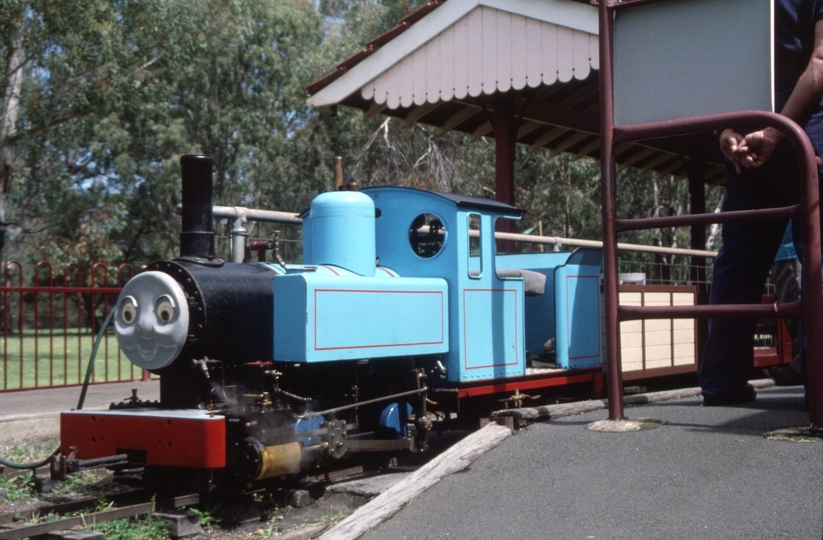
pixel 461 201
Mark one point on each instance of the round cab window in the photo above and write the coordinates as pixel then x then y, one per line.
pixel 427 234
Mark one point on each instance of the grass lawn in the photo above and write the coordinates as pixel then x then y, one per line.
pixel 60 359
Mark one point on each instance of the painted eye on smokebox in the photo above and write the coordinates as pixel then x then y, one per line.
pixel 165 308
pixel 128 310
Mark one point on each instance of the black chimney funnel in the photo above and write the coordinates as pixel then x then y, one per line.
pixel 197 236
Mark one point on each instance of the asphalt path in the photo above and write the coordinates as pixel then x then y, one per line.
pixel 708 473
pixel 49 402
pixel 32 417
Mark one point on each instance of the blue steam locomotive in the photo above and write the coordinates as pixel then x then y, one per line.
pixel 402 313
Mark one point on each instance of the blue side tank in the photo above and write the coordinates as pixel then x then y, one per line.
pixel 339 230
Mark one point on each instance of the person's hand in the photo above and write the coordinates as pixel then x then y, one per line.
pixel 733 146
pixel 759 147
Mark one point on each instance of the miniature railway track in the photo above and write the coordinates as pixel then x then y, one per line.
pixel 10 529
pixel 22 523
pixel 137 502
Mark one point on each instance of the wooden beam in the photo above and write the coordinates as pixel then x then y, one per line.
pixel 527 128
pixel 374 110
pixel 484 129
pixel 417 113
pixel 571 141
pixel 458 118
pixel 546 138
pixel 659 160
pixel 556 115
pixel 623 148
pixel 676 164
pixel 586 150
pixel 638 156
pixel 547 113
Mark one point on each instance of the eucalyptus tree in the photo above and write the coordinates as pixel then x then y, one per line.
pixel 67 63
pixel 113 91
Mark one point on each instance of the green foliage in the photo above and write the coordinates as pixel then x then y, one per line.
pixel 26 453
pixel 114 91
pixel 209 515
pixel 17 487
pixel 560 192
pixel 271 532
pixel 108 107
pixel 88 483
pixel 140 528
pixel 334 516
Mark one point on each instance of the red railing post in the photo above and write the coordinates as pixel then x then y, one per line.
pixel 28 300
pixel 19 267
pixel 79 313
pixel 120 283
pixel 94 277
pixel 37 289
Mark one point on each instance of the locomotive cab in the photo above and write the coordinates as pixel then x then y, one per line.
pixel 503 307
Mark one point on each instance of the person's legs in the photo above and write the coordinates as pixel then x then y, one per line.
pixel 814 129
pixel 740 272
pixel 739 275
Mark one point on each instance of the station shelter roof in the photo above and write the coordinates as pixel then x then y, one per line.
pixel 447 63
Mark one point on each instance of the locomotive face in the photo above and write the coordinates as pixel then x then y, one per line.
pixel 152 320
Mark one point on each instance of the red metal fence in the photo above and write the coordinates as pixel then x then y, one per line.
pixel 50 324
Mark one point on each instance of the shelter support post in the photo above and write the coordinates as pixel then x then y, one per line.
pixel 698 165
pixel 614 379
pixel 505 138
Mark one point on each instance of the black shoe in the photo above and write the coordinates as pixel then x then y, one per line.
pixel 785 376
pixel 746 395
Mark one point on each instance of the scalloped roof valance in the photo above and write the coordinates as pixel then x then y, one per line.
pixel 486 51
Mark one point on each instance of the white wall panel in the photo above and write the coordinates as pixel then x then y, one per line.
pixel 534 53
pixel 519 52
pixel 475 42
pixel 565 54
pixel 489 51
pixel 551 50
pixel 418 88
pixel 433 66
pixel 503 75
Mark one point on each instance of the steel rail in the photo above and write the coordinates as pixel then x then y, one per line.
pixel 36 529
pixel 26 531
